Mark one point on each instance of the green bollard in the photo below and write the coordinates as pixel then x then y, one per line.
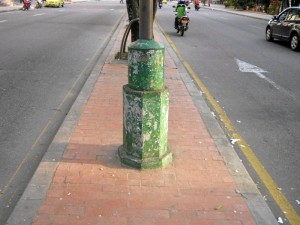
pixel 145 108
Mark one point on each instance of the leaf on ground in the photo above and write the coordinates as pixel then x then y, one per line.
pixel 218 207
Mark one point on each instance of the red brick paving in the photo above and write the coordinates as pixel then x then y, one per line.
pixel 91 186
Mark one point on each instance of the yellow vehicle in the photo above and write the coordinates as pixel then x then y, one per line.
pixel 165 1
pixel 54 3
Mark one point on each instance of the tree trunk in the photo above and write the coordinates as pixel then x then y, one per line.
pixel 133 12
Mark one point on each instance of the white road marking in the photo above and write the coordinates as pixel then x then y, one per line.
pixel 249 68
pixel 261 28
pixel 40 14
pixel 3 21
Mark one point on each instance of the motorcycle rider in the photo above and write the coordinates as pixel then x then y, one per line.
pixel 197 4
pixel 181 11
pixel 39 4
pixel 26 4
pixel 160 2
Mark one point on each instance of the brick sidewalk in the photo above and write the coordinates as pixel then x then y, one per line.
pixel 90 186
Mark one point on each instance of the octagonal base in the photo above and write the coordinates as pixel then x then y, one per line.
pixel 149 163
pixel 145 128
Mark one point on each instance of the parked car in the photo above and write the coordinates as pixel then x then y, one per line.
pixel 54 3
pixel 286 27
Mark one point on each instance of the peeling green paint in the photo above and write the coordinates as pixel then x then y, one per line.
pixel 146 66
pixel 146 108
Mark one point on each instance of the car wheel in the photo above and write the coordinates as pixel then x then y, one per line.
pixel 269 36
pixel 295 45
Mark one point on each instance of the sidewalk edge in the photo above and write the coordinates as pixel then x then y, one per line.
pixel 237 13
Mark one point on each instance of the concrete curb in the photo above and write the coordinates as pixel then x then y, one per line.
pixel 241 13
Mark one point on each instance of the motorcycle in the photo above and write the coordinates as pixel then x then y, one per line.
pixel 39 4
pixel 182 25
pixel 26 5
pixel 160 4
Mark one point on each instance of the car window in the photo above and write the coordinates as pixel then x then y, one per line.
pixel 292 15
pixel 296 14
pixel 283 15
pixel 289 16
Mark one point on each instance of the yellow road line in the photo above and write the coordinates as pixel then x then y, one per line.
pixel 11 179
pixel 23 161
pixel 268 181
pixel 37 140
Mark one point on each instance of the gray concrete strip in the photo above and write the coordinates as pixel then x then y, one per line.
pixel 10 8
pixel 255 15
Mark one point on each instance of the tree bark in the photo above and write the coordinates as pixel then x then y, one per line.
pixel 133 12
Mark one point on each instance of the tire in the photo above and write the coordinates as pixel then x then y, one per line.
pixel 182 31
pixel 294 43
pixel 269 36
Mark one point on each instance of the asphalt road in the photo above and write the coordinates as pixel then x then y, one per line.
pixel 264 109
pixel 44 56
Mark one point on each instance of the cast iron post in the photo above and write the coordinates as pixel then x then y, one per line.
pixel 145 100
